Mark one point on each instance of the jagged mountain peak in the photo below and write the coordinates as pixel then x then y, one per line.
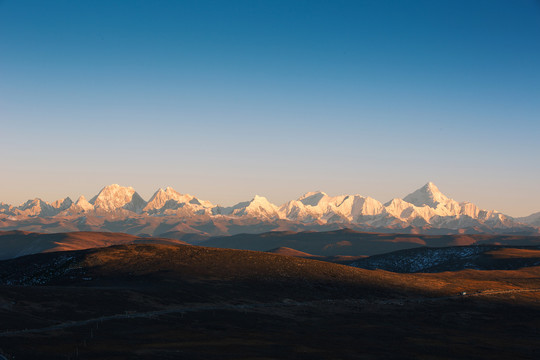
pixel 259 199
pixel 62 204
pixel 312 198
pixel 168 191
pixel 397 201
pixel 80 199
pixel 115 188
pixel 31 202
pixel 169 196
pixel 169 199
pixel 258 207
pixel 425 206
pixel 80 206
pixel 430 188
pixel 429 195
pixel 36 207
pixel 430 185
pixel 114 196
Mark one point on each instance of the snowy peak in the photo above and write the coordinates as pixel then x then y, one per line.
pixel 35 207
pixel 38 207
pixel 426 206
pixel 62 204
pixel 31 204
pixel 356 206
pixel 168 199
pixel 399 208
pixel 258 207
pixel 115 197
pixel 81 201
pixel 318 206
pixel 312 198
pixel 80 206
pixel 429 195
pixel 257 199
pixel 162 196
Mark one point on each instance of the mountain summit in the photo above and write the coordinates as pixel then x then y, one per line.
pixel 172 212
pixel 428 195
pixel 169 201
pixel 164 197
pixel 259 207
pixel 115 197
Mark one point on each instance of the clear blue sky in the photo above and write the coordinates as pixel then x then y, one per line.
pixel 227 99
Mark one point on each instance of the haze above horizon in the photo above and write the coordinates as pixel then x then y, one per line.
pixel 225 100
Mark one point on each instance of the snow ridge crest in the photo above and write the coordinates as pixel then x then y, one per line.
pixel 427 206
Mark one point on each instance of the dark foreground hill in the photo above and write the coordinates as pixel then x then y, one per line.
pixel 356 243
pixel 186 302
pixel 481 257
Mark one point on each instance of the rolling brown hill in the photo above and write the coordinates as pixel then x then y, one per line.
pixel 19 243
pixel 291 252
pixel 338 259
pixel 478 257
pixel 148 301
pixel 340 246
pixel 356 243
pixel 154 265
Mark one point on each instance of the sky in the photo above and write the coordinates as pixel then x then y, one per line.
pixel 228 99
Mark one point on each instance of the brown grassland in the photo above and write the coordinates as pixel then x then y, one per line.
pixel 188 302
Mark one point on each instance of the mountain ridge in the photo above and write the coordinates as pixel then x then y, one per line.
pixel 424 208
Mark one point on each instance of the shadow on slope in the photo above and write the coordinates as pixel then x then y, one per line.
pixel 163 267
pixel 167 302
pixel 355 243
pixel 478 257
pixel 338 259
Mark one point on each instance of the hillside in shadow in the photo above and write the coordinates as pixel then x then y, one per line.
pixel 356 243
pixel 147 301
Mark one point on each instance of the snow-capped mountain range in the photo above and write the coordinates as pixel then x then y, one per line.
pixel 427 206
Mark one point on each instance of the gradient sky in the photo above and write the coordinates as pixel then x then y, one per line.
pixel 228 99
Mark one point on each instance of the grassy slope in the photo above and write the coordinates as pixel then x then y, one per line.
pixel 19 243
pixel 304 309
